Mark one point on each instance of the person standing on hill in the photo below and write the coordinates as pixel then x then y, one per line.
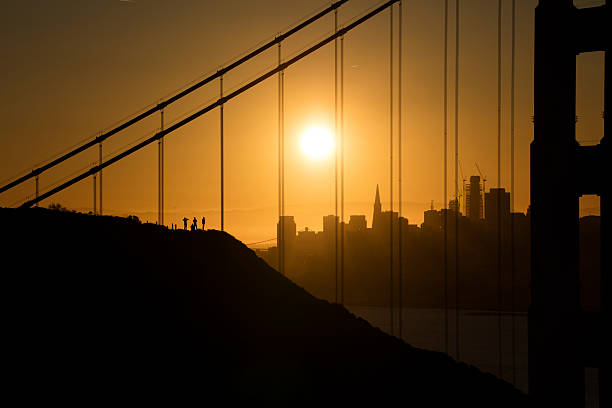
pixel 185 219
pixel 195 224
pixel 203 222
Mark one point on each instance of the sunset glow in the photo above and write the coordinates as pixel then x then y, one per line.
pixel 317 142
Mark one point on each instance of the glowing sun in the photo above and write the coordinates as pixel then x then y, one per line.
pixel 317 142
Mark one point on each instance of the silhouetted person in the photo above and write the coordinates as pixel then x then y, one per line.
pixel 195 224
pixel 185 223
pixel 203 222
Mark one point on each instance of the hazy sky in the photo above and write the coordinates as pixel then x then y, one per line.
pixel 70 69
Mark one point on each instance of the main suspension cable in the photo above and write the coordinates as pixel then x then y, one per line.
pixel 213 105
pixel 100 138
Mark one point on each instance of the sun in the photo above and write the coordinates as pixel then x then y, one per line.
pixel 317 142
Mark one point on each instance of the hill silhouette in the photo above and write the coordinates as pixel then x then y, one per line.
pixel 102 307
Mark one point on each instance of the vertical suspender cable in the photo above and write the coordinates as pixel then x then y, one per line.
pixel 342 169
pixel 604 235
pixel 336 155
pixel 159 180
pixel 444 203
pixel 456 178
pixel 36 194
pixel 279 238
pixel 391 166
pixel 281 224
pixel 282 160
pixel 100 174
pixel 163 166
pixel 499 195
pixel 399 164
pixel 160 159
pixel 282 111
pixel 512 264
pixel 95 199
pixel 221 152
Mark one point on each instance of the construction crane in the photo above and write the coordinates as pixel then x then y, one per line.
pixel 484 178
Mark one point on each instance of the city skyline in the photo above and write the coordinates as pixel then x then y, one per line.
pixel 379 219
pixel 309 200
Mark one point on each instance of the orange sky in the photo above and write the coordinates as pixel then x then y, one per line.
pixel 71 69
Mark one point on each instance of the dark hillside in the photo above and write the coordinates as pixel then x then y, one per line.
pixel 97 307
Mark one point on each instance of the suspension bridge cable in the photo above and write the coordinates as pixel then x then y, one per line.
pixel 100 174
pixel 280 207
pixel 282 76
pixel 90 166
pixel 499 195
pixel 512 264
pixel 336 155
pixel 221 144
pixel 262 242
pixel 95 200
pixel 213 105
pixel 283 167
pixel 456 178
pixel 163 170
pixel 174 98
pixel 281 214
pixel 444 203
pixel 160 175
pixel 391 166
pixel 399 164
pixel 95 186
pixel 36 189
pixel 342 168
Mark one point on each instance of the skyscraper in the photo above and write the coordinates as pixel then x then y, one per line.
pixel 497 200
pixel 473 199
pixel 286 240
pixel 376 218
pixel 330 224
pixel 357 223
pixel 432 220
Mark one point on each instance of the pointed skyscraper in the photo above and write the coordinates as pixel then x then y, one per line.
pixel 377 210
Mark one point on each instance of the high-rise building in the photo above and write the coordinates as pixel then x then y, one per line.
pixel 377 210
pixel 306 235
pixel 330 224
pixel 473 199
pixel 497 200
pixel 306 242
pixel 357 223
pixel 432 220
pixel 285 240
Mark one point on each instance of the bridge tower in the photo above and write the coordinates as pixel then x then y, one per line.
pixel 561 171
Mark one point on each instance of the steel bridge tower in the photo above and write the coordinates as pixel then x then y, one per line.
pixel 562 171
